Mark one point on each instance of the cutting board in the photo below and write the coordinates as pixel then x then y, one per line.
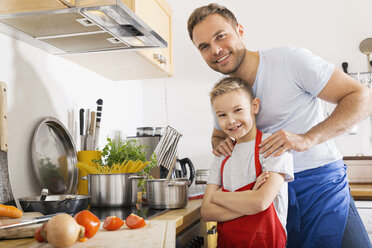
pixel 152 235
pixel 22 231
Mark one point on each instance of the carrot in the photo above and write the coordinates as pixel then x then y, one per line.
pixel 10 211
pixel 83 239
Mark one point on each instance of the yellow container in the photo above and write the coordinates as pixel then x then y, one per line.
pixel 86 157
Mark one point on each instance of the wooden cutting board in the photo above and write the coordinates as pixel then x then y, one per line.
pixel 152 235
pixel 22 231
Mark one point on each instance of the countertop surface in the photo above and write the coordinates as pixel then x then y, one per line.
pixel 361 191
pixel 176 220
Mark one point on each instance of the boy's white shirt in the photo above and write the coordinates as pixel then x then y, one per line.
pixel 240 170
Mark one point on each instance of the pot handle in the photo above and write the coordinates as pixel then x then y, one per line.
pixel 183 163
pixel 178 183
pixel 136 177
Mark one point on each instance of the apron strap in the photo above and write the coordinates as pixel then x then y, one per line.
pixel 257 153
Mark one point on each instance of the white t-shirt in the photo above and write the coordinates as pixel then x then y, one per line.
pixel 287 83
pixel 240 170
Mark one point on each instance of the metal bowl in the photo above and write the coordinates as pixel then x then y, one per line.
pixel 52 204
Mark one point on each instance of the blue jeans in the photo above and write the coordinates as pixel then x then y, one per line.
pixel 355 234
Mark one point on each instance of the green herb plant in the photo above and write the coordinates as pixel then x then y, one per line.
pixel 118 151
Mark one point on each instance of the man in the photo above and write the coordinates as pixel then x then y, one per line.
pixel 290 82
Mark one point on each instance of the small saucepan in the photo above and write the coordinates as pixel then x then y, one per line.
pixel 52 204
pixel 167 194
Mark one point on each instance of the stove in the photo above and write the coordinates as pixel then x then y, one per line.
pixel 141 210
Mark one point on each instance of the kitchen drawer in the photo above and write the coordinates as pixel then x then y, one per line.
pixel 365 212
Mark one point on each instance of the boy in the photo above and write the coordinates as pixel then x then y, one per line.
pixel 248 215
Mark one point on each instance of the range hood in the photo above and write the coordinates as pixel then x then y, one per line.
pixel 80 26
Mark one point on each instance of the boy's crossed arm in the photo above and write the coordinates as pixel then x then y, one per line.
pixel 251 201
pixel 212 211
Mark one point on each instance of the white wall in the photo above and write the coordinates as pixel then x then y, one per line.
pixel 332 29
pixel 41 85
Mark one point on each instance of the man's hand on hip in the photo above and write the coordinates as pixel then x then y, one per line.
pixel 283 141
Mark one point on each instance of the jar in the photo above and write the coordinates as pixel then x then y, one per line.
pixel 201 179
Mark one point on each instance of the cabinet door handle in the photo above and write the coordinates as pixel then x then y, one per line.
pixel 213 230
pixel 159 57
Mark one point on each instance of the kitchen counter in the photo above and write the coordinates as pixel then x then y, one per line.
pixel 182 217
pixel 361 191
pixel 176 221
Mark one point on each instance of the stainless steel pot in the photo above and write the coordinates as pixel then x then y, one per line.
pixel 112 190
pixel 164 194
pixel 52 204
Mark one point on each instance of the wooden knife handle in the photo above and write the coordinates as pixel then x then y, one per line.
pixel 92 122
pixel 3 118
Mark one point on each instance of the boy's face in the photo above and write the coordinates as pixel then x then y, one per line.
pixel 236 114
pixel 219 43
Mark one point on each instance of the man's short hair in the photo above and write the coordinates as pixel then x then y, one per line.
pixel 229 84
pixel 201 13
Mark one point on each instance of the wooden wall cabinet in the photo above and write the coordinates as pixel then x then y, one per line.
pixel 136 64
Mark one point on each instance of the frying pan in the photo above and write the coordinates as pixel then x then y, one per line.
pixel 366 47
pixel 52 204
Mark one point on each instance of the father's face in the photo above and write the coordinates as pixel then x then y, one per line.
pixel 219 43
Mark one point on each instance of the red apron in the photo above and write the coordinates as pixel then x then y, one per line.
pixel 260 230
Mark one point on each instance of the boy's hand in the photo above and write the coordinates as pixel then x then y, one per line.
pixel 261 179
pixel 225 147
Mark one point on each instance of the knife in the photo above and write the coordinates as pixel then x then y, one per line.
pixel 98 122
pixel 29 222
pixel 82 139
pixel 90 137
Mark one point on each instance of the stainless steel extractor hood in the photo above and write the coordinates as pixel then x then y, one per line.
pixel 83 26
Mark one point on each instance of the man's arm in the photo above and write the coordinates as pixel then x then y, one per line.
pixel 251 201
pixel 354 103
pixel 214 212
pixel 222 145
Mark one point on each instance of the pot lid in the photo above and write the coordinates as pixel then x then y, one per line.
pixel 54 157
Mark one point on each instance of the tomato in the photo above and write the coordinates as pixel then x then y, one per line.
pixel 134 221
pixel 112 223
pixel 88 220
pixel 39 234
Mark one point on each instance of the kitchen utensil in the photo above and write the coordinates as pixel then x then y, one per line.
pixel 92 127
pixel 86 157
pixel 6 195
pixel 54 157
pixel 87 126
pixel 98 123
pixel 366 47
pixel 167 194
pixel 82 137
pixel 22 231
pixel 112 190
pixel 186 161
pixel 44 194
pixel 149 131
pixel 344 66
pixel 35 220
pixel 52 204
pixel 167 147
pixel 171 168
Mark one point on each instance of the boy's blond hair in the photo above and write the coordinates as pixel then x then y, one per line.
pixel 201 13
pixel 229 84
